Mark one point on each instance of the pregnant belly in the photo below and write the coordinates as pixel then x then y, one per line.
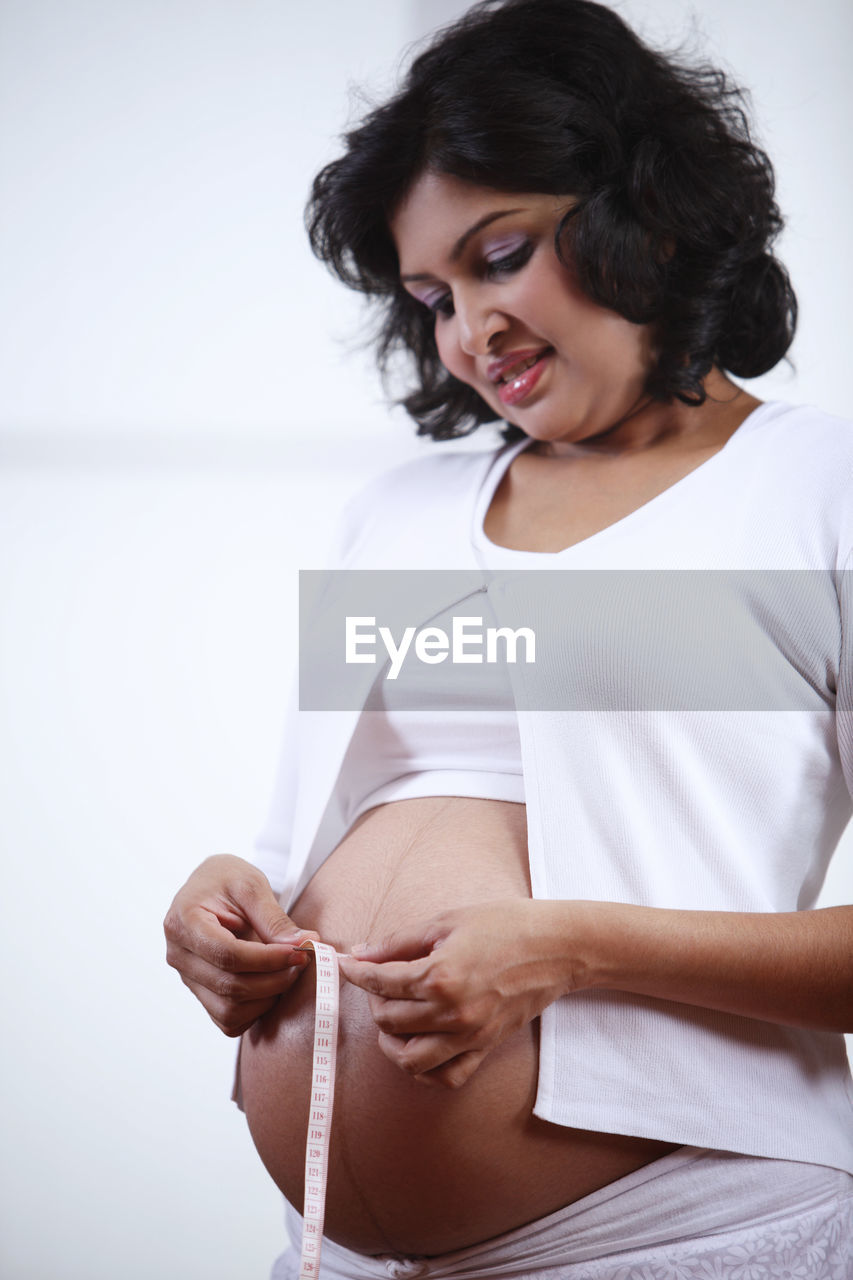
pixel 416 1169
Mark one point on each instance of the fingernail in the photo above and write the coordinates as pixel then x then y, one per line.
pixel 358 947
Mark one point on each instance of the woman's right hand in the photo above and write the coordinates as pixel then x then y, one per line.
pixel 232 944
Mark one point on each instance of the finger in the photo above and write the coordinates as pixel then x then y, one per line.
pixel 232 1019
pixel 420 1053
pixel 456 1072
pixel 395 980
pixel 249 895
pixel 205 936
pixel 263 911
pixel 245 986
pixel 412 947
pixel 412 1017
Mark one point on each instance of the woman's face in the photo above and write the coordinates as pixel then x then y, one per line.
pixel 510 320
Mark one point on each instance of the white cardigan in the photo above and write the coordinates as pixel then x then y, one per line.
pixel 735 810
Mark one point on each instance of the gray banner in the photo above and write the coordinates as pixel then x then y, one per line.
pixel 555 640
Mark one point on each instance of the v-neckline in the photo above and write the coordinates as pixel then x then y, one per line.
pixel 670 492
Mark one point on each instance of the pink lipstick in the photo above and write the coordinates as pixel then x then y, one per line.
pixel 513 387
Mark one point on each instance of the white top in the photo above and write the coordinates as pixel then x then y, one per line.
pixel 731 810
pixel 399 751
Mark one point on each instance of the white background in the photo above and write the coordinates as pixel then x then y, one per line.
pixel 183 408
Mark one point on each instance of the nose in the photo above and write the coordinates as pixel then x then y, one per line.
pixel 479 323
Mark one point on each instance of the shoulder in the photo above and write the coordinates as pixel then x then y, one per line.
pixel 430 475
pixel 801 432
pixel 409 499
pixel 799 460
pixel 802 458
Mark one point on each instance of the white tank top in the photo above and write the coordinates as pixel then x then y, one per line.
pixel 397 753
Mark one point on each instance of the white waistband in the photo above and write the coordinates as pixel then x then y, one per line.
pixel 689 1196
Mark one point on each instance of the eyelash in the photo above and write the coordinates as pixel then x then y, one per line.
pixel 492 270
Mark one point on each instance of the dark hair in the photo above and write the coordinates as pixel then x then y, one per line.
pixel 675 216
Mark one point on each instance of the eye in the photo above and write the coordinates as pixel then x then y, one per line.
pixel 504 264
pixel 439 302
pixel 501 261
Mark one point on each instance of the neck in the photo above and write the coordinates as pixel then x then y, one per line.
pixel 650 424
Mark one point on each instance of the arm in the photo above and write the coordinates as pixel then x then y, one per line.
pixel 445 997
pixel 231 942
pixel 793 967
pixel 226 934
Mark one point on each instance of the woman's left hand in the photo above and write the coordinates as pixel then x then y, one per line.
pixel 445 995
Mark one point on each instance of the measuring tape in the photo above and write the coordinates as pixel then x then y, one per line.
pixel 322 1101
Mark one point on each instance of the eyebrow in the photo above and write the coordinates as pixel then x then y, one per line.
pixel 459 246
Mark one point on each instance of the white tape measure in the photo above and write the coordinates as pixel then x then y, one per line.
pixel 320 1109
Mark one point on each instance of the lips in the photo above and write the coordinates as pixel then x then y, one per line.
pixel 517 374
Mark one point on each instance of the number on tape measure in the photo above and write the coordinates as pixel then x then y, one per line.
pixel 322 1101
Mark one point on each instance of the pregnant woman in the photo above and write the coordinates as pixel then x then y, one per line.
pixel 591 1023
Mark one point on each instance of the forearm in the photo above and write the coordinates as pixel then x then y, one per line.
pixel 794 968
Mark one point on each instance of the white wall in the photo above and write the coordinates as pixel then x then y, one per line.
pixel 178 420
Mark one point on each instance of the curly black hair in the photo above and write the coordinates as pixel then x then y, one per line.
pixel 674 218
